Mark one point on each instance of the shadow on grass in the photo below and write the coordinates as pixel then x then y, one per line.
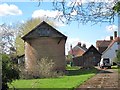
pixel 82 71
pixel 104 71
pixel 115 67
pixel 87 71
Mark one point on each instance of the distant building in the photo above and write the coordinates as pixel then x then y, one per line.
pixel 112 49
pixel 89 58
pixel 78 50
pixel 44 41
pixel 102 45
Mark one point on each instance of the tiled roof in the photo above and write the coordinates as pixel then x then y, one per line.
pixel 80 47
pixel 117 39
pixel 103 43
pixel 77 48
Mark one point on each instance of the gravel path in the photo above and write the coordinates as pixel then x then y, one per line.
pixel 104 79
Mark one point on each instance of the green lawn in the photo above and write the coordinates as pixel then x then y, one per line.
pixel 119 70
pixel 73 79
pixel 114 67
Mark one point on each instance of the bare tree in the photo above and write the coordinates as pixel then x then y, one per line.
pixel 85 11
pixel 7 34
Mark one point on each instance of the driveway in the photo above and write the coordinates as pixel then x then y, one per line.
pixel 104 79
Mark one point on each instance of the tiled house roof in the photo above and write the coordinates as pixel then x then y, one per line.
pixel 103 43
pixel 117 39
pixel 78 50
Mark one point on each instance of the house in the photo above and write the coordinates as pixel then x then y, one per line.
pixel 41 42
pixel 89 58
pixel 102 45
pixel 78 50
pixel 112 49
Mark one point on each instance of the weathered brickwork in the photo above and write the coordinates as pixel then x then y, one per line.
pixel 45 47
pixel 44 41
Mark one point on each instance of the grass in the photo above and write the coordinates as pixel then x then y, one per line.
pixel 74 78
pixel 119 70
pixel 68 67
pixel 114 67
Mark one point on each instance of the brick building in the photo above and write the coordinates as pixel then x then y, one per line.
pixel 44 41
pixel 90 58
pixel 78 50
pixel 102 45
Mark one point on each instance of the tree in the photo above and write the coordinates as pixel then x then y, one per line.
pixel 116 8
pixel 118 56
pixel 24 29
pixel 7 34
pixel 45 68
pixel 85 11
pixel 9 72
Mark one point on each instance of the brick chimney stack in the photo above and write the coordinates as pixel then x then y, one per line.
pixel 79 44
pixel 115 34
pixel 71 49
pixel 111 38
pixel 84 45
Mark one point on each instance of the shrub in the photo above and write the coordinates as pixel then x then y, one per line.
pixel 46 68
pixel 118 57
pixel 9 72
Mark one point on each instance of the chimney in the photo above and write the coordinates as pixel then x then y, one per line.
pixel 115 34
pixel 79 44
pixel 84 45
pixel 111 38
pixel 71 49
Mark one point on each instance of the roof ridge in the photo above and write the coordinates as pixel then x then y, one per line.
pixel 113 41
pixel 39 26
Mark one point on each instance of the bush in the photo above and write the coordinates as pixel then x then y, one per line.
pixel 46 68
pixel 9 72
pixel 118 57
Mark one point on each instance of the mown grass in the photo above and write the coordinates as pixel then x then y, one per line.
pixel 68 67
pixel 114 67
pixel 72 79
pixel 119 70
